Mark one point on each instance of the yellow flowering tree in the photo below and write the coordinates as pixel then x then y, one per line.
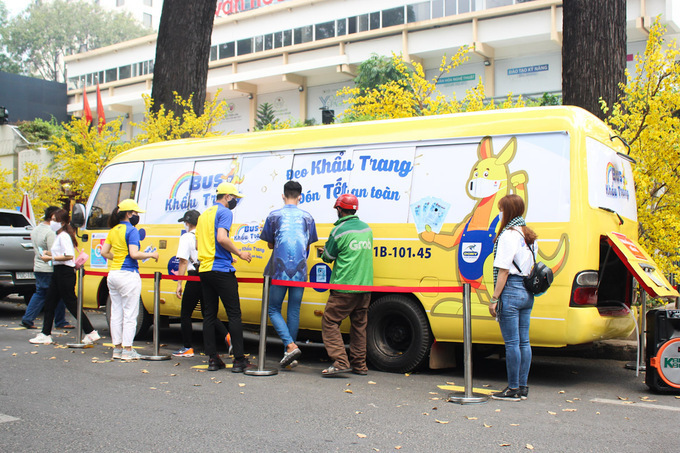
pixel 43 190
pixel 647 118
pixel 9 198
pixel 164 124
pixel 81 152
pixel 412 94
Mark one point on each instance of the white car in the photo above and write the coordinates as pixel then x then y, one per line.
pixel 16 255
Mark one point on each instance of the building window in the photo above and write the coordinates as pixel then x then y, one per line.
pixel 120 2
pixel 450 7
pixel 124 72
pixel 147 20
pixel 394 16
pixel 269 41
pixel 244 46
pixel 419 11
pixel 287 38
pixel 147 2
pixel 100 77
pixel 213 53
pixel 303 34
pixel 112 75
pixel 259 43
pixel 341 27
pixel 375 20
pixel 226 50
pixel 88 79
pixel 497 3
pixel 464 6
pixel 324 30
pixel 437 8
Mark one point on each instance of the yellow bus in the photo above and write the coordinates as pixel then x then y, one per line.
pixel 429 188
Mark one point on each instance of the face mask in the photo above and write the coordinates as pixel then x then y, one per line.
pixel 134 219
pixel 231 204
pixel 55 226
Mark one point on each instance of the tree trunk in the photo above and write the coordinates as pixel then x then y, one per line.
pixel 593 52
pixel 183 53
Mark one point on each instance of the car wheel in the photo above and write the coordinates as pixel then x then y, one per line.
pixel 398 334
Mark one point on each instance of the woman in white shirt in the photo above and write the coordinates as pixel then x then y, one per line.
pixel 62 255
pixel 514 255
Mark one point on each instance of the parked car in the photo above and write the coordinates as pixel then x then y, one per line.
pixel 16 255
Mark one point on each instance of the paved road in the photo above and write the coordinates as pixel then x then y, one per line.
pixel 58 399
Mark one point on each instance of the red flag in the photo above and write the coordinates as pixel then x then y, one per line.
pixel 101 117
pixel 87 113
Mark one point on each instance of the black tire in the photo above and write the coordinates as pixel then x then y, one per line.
pixel 144 319
pixel 398 334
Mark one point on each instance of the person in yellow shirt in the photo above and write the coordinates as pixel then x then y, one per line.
pixel 125 285
pixel 218 276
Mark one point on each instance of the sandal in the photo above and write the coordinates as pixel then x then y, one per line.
pixel 333 371
pixel 66 326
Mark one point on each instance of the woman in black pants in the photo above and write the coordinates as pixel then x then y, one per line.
pixel 63 282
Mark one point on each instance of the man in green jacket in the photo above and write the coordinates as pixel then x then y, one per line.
pixel 350 246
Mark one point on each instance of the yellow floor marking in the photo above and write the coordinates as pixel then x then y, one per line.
pixel 460 388
pixel 205 367
pixel 110 345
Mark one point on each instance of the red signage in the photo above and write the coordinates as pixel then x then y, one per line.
pixel 228 7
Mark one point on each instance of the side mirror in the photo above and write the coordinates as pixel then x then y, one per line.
pixel 78 215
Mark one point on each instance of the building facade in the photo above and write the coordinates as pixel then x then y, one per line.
pixel 296 54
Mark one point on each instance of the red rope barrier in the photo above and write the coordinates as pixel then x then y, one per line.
pixel 375 289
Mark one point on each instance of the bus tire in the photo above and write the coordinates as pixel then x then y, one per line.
pixel 144 319
pixel 398 334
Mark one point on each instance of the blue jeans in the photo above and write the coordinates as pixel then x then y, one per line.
pixel 42 284
pixel 516 305
pixel 287 330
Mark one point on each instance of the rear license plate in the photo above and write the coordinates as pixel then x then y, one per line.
pixel 25 275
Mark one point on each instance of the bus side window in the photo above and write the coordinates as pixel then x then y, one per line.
pixel 107 198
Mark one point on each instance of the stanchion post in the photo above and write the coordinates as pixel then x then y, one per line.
pixel 263 333
pixel 641 360
pixel 468 396
pixel 156 320
pixel 79 318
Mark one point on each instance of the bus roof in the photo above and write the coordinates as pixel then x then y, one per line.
pixel 474 124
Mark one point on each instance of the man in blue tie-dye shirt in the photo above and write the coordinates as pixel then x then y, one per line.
pixel 289 231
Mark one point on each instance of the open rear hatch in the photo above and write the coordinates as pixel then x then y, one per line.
pixel 641 266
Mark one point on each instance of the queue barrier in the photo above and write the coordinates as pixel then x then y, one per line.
pixel 467 397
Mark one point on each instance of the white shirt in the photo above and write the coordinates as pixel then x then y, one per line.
pixel 511 247
pixel 63 247
pixel 187 249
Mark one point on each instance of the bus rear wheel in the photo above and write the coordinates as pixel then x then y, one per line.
pixel 144 319
pixel 398 334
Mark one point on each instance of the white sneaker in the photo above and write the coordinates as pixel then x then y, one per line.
pixel 91 337
pixel 117 353
pixel 41 338
pixel 130 355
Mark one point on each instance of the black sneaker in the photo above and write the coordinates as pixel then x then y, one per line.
pixel 524 391
pixel 507 395
pixel 215 364
pixel 241 365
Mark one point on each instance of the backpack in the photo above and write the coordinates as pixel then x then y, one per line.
pixel 539 279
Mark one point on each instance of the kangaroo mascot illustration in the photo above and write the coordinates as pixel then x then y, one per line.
pixel 489 181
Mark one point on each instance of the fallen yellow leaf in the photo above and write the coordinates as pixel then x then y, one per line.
pixel 622 398
pixel 569 410
pixel 552 413
pixel 434 393
pixel 361 436
pixel 152 388
pixel 241 385
pixel 487 426
pixel 530 447
pixel 34 352
pixel 217 382
pixel 561 392
pixel 145 371
pixel 443 422
pixel 371 383
pixel 503 445
pixel 348 391
pixel 471 418
pixel 514 424
pixel 397 447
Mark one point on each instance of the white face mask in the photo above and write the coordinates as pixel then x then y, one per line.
pixel 55 226
pixel 482 187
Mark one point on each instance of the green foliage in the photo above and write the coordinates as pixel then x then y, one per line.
pixel 39 130
pixel 645 117
pixel 42 35
pixel 265 117
pixel 376 71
